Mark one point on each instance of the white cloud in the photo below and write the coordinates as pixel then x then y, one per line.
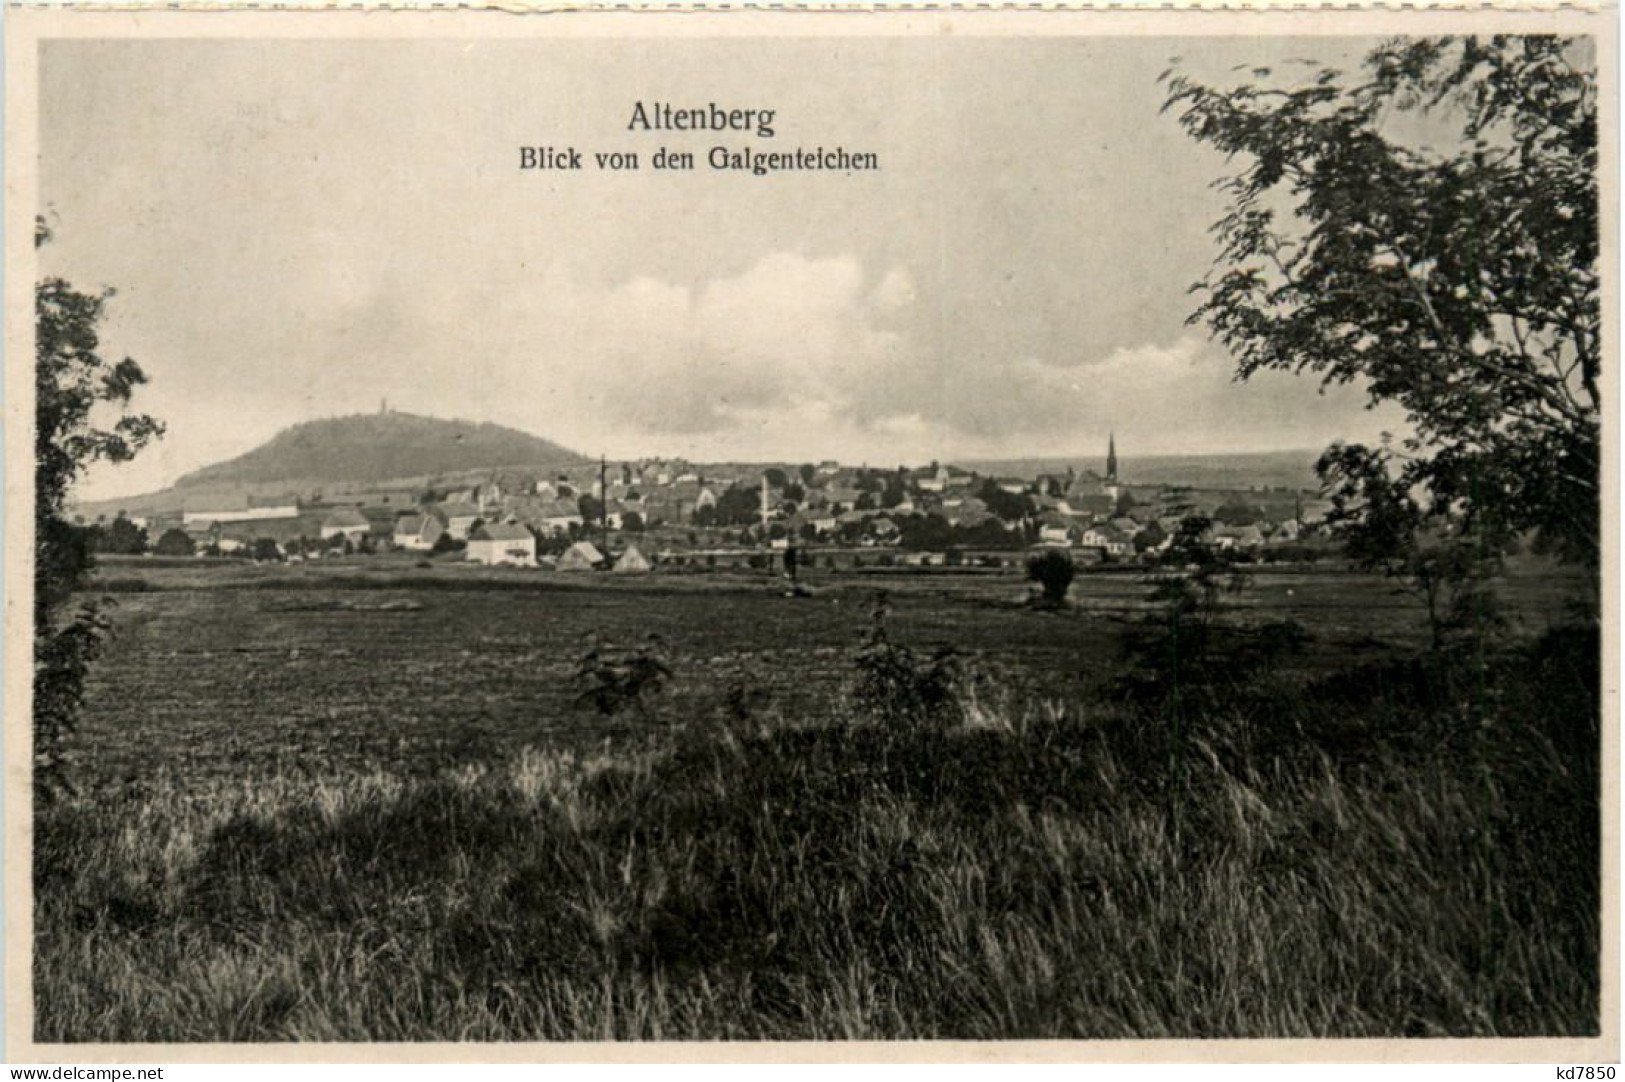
pixel 790 337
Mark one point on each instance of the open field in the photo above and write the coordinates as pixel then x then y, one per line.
pixel 357 801
pixel 226 668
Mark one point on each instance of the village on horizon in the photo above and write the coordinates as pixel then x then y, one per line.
pixel 636 515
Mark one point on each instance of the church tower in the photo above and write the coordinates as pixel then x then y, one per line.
pixel 1110 486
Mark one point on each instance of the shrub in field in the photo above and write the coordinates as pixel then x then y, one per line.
pixel 895 686
pixel 612 681
pixel 746 699
pixel 175 542
pixel 1170 653
pixel 1053 570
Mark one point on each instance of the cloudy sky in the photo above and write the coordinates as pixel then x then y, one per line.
pixel 301 229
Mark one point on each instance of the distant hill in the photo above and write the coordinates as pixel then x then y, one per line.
pixel 376 447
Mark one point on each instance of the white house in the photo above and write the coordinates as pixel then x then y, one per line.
pixel 502 543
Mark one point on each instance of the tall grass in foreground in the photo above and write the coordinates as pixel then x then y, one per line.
pixel 1385 854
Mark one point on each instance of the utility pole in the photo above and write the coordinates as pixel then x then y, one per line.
pixel 764 510
pixel 603 502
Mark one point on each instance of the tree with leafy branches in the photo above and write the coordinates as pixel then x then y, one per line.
pixel 1459 283
pixel 175 542
pixel 1053 571
pixel 122 538
pixel 77 392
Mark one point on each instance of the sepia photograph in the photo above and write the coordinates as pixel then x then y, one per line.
pixel 928 529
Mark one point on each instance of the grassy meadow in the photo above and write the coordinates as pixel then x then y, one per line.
pixel 361 801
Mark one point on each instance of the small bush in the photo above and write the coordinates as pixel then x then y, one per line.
pixel 612 681
pixel 174 542
pixel 896 687
pixel 1053 570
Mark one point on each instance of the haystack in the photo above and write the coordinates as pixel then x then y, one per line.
pixel 633 562
pixel 581 556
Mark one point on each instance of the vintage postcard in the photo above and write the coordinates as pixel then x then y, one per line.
pixel 710 535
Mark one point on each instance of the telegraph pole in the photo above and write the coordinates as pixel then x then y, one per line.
pixel 603 502
pixel 764 509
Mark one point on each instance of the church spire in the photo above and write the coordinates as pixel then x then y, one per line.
pixel 1111 457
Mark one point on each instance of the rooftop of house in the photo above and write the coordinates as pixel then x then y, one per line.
pixel 345 516
pixel 560 509
pixel 502 531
